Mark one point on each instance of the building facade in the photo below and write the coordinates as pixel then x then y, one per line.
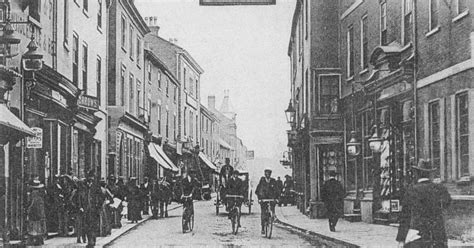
pixel 128 119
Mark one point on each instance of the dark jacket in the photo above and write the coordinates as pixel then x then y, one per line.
pixel 332 194
pixel 188 186
pixel 422 210
pixel 235 187
pixel 267 190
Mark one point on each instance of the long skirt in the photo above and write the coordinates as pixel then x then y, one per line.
pixel 134 208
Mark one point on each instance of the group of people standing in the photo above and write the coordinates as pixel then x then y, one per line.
pixel 88 207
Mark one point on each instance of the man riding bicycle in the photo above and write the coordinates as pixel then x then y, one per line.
pixel 267 189
pixel 188 185
pixel 235 187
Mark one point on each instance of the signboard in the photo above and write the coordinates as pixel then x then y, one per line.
pixel 37 140
pixel 236 2
pixel 250 155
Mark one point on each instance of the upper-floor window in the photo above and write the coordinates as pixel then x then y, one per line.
pixel 139 95
pixel 167 87
pixel 85 5
pixel 461 6
pixel 191 86
pixel 306 20
pixel 197 88
pixel 98 76
pixel 175 93
pixel 407 21
pixel 84 67
pixel 148 70
pixel 66 21
pixel 462 133
pixel 350 51
pixel 329 94
pixel 122 85
pixel 364 43
pixel 167 123
pixel 300 36
pixel 75 58
pixel 131 93
pixel 159 118
pixel 123 27
pixel 99 15
pixel 383 23
pixel 139 51
pixel 159 79
pixel 184 78
pixel 130 42
pixel 433 16
pixel 434 132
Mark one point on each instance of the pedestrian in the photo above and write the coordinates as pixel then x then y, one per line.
pixel 116 211
pixel 421 218
pixel 134 201
pixel 280 189
pixel 332 194
pixel 79 200
pixel 105 216
pixel 94 201
pixel 36 216
pixel 266 190
pixel 145 188
pixel 154 198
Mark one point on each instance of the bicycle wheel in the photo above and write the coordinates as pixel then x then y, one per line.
pixel 269 226
pixel 191 222
pixel 184 221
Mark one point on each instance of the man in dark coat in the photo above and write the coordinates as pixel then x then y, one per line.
pixel 115 212
pixel 94 201
pixel 188 187
pixel 280 189
pixel 422 211
pixel 266 189
pixel 145 188
pixel 235 187
pixel 332 194
pixel 133 198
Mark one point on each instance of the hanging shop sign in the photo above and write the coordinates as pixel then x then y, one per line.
pixel 36 141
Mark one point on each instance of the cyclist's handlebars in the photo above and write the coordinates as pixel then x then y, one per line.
pixel 267 200
pixel 186 196
pixel 234 196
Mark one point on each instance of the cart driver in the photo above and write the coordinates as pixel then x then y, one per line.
pixel 224 176
pixel 235 186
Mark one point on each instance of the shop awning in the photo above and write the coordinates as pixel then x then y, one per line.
pixel 225 144
pixel 157 153
pixel 206 160
pixel 9 120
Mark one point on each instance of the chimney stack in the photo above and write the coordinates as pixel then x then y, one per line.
pixel 152 21
pixel 211 102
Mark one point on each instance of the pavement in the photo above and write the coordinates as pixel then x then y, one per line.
pixel 351 234
pixel 103 241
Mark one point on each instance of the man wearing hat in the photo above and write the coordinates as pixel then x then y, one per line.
pixel 332 194
pixel 235 187
pixel 421 219
pixel 145 188
pixel 94 200
pixel 267 188
pixel 36 228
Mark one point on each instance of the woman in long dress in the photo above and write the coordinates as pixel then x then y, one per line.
pixel 36 227
pixel 134 201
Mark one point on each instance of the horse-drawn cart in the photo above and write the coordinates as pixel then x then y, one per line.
pixel 247 201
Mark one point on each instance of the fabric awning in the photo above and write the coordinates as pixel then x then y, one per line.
pixel 9 120
pixel 206 160
pixel 225 144
pixel 157 153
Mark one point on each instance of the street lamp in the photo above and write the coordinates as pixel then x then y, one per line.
pixel 375 142
pixel 290 113
pixel 353 146
pixel 9 41
pixel 32 59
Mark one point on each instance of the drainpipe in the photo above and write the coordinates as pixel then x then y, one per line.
pixel 415 69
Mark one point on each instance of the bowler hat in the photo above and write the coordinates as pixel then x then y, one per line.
pixel 424 165
pixel 36 184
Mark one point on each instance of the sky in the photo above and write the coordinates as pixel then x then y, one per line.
pixel 242 49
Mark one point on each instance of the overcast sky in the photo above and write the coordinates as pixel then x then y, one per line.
pixel 242 49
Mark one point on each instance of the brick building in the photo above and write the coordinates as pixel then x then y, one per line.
pixel 128 120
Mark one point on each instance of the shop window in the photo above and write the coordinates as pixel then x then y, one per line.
pixel 329 94
pixel 462 134
pixel 434 130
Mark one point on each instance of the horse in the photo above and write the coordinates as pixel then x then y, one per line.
pixel 161 197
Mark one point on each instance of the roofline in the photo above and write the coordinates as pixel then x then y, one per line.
pixel 294 21
pixel 134 11
pixel 208 112
pixel 155 60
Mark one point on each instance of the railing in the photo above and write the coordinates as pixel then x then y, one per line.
pixel 88 102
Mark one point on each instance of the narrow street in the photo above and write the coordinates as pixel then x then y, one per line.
pixel 209 230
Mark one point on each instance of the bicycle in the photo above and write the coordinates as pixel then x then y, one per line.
pixel 234 212
pixel 269 216
pixel 188 213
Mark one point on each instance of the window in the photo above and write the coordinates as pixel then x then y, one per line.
pixel 139 96
pixel 131 42
pixel 131 92
pixel 191 126
pixel 85 5
pixel 149 102
pixel 329 94
pixel 148 69
pixel 462 134
pixel 84 67
pixel 364 43
pixel 184 121
pixel 167 123
pixel 98 75
pixel 122 86
pixel 159 79
pixel 124 32
pixel 66 21
pixel 159 119
pixel 99 15
pixel 434 132
pixel 184 78
pixel 139 51
pixel 433 18
pixel 175 94
pixel 300 36
pixel 306 16
pixel 383 23
pixel 461 6
pixel 350 51
pixel 407 21
pixel 167 87
pixel 197 88
pixel 197 127
pixel 174 124
pixel 75 59
pixel 191 86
